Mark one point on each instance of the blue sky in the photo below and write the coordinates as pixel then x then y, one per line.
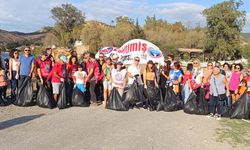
pixel 28 16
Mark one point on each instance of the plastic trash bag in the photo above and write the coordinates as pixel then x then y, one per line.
pixel 171 101
pixel 44 99
pixel 134 94
pixel 1 101
pixel 226 111
pixel 203 104
pixel 154 97
pixel 240 109
pixel 25 94
pixel 114 101
pixel 78 98
pixel 62 98
pixel 191 106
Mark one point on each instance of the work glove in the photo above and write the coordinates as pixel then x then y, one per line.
pixel 145 86
pixel 17 76
pixel 75 86
pixel 62 80
pixel 190 90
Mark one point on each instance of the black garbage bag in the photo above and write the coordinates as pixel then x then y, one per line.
pixel 1 101
pixel 134 94
pixel 191 106
pixel 240 108
pixel 154 97
pixel 171 101
pixel 44 99
pixel 114 101
pixel 226 111
pixel 203 103
pixel 62 98
pixel 25 94
pixel 78 98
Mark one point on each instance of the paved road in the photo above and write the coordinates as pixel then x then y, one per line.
pixel 97 128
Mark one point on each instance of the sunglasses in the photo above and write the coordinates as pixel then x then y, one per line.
pixel 195 63
pixel 15 53
pixel 27 50
pixel 209 65
pixel 137 60
pixel 100 56
pixel 237 68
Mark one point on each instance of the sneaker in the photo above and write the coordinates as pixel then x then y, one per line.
pixel 210 115
pixel 218 117
pixel 93 104
pixel 145 107
pixel 136 107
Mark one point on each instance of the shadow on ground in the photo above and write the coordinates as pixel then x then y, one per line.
pixel 17 121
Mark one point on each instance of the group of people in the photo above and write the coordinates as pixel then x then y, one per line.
pixel 96 78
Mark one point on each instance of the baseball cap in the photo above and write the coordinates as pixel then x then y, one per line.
pixel 44 53
pixel 119 63
pixel 115 56
pixel 150 62
pixel 63 58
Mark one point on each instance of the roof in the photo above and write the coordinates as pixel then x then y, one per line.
pixel 191 50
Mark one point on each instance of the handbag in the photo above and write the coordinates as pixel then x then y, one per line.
pixel 221 97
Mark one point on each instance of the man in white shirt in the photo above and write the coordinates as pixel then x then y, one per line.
pixel 134 73
pixel 171 59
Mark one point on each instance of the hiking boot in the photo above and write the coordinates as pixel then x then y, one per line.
pixel 218 117
pixel 210 115
pixel 94 104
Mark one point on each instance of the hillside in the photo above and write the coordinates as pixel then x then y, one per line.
pixel 245 37
pixel 12 37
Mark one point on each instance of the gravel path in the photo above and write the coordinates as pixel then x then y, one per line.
pixel 97 128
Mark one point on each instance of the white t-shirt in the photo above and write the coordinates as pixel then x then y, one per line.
pixel 118 77
pixel 199 74
pixel 80 77
pixel 133 71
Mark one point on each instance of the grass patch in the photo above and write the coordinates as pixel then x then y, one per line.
pixel 234 132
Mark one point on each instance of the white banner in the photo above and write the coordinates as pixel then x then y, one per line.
pixel 135 48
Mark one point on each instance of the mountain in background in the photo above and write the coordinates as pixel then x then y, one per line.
pixel 7 37
pixel 245 37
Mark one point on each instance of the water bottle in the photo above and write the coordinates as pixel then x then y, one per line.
pixel 4 77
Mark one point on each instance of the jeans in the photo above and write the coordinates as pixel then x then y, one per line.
pixel 3 90
pixel 92 91
pixel 14 85
pixel 214 101
pixel 69 89
pixel 186 92
pixel 228 101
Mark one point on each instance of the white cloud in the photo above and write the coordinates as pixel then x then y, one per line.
pixel 246 28
pixel 29 16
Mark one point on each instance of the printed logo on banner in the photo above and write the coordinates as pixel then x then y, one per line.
pixel 154 53
pixel 106 50
pixel 118 77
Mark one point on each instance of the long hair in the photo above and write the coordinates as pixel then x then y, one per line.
pixel 199 63
pixel 150 69
pixel 70 59
pixel 167 69
pixel 12 53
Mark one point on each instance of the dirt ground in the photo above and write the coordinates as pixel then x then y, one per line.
pixel 98 128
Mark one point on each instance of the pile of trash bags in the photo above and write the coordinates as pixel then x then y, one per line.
pixel 171 102
pixel 239 110
pixel 154 97
pixel 134 94
pixel 62 98
pixel 114 101
pixel 44 99
pixel 78 98
pixel 25 94
pixel 193 107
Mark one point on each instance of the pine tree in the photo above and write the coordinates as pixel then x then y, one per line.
pixel 138 32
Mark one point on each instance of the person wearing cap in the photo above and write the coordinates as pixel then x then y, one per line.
pixel 115 60
pixel 134 73
pixel 25 66
pixel 44 67
pixel 58 76
pixel 149 80
pixel 94 75
pixel 118 78
pixel 164 76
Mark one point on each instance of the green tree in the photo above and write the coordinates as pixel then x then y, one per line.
pixel 224 24
pixel 138 32
pixel 68 25
pixel 245 52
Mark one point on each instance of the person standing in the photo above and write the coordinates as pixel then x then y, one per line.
pixel 93 77
pixel 12 70
pixel 1 61
pixel 157 72
pixel 171 59
pixel 217 64
pixel 175 78
pixel 99 85
pixel 107 86
pixel 50 57
pixel 228 72
pixel 207 73
pixel 197 78
pixel 6 65
pixel 218 86
pixel 86 64
pixel 58 76
pixel 80 79
pixel 164 77
pixel 3 84
pixel 44 67
pixel 25 66
pixel 71 69
pixel 187 88
pixel 134 73
pixel 236 78
pixel 118 78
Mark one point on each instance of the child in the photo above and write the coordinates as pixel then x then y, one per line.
pixel 242 87
pixel 6 62
pixel 3 83
pixel 80 78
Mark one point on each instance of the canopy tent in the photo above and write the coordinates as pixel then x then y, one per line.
pixel 135 48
